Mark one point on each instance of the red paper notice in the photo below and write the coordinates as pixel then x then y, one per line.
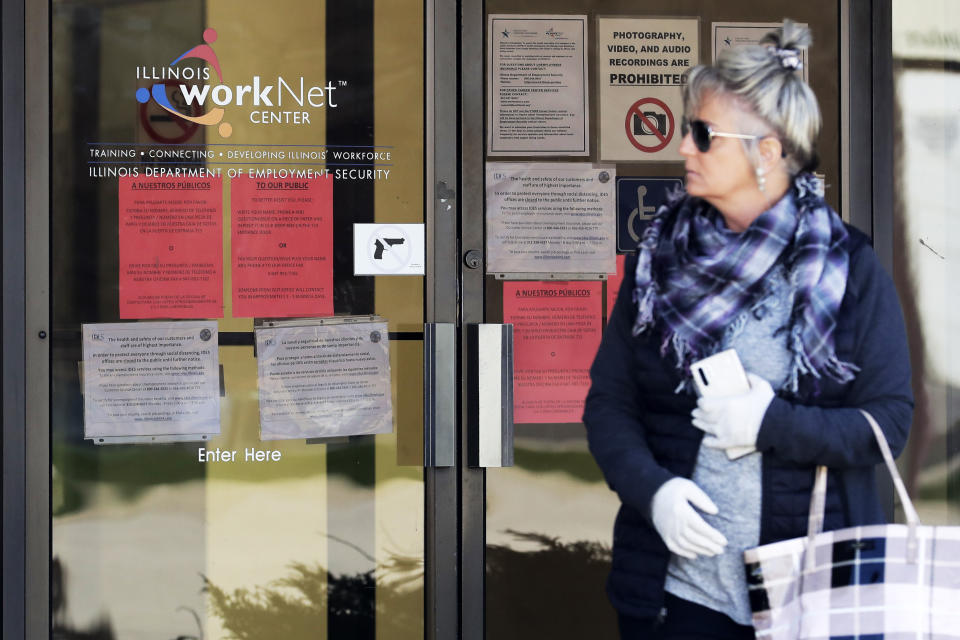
pixel 613 285
pixel 282 238
pixel 171 248
pixel 556 333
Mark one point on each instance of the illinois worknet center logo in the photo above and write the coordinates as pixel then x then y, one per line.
pixel 162 92
pixel 182 91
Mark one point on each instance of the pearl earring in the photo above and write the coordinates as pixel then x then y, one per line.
pixel 761 181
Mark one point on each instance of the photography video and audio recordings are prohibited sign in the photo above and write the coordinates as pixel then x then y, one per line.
pixel 643 65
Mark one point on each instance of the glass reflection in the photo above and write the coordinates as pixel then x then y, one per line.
pixel 927 241
pixel 549 524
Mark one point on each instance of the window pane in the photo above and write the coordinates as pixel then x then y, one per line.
pixel 926 49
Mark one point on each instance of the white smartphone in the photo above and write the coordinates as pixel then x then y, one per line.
pixel 722 374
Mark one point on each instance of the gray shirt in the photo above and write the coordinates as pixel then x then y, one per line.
pixel 719 583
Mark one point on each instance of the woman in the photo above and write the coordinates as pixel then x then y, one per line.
pixel 750 257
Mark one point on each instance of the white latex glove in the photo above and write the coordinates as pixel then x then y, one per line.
pixel 683 530
pixel 733 422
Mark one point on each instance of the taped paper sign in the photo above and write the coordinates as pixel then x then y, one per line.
pixel 550 218
pixel 388 249
pixel 556 333
pixel 537 102
pixel 150 379
pixel 322 381
pixel 282 247
pixel 171 244
pixel 643 65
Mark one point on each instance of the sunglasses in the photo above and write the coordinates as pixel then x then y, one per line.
pixel 703 135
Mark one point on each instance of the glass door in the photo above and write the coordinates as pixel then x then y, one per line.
pixel 251 173
pixel 549 517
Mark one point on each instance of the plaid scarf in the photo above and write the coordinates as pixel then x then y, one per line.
pixel 695 277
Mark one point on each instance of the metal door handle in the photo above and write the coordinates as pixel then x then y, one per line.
pixel 490 391
pixel 439 394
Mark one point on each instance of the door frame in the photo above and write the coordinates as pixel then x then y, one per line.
pixel 442 592
pixel 26 315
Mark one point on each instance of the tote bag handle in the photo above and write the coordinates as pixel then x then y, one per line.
pixel 819 499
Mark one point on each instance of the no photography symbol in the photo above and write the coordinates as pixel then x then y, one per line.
pixel 644 119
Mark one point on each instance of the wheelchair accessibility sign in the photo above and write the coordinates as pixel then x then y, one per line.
pixel 637 201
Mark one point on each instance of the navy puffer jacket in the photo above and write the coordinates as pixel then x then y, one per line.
pixel 640 432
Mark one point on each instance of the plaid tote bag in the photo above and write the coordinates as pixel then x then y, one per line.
pixel 889 582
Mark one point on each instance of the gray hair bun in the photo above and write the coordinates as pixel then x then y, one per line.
pixel 787 44
pixel 763 79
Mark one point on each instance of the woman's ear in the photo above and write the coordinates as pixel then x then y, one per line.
pixel 771 152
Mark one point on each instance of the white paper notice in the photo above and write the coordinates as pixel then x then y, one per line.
pixel 643 65
pixel 726 35
pixel 550 218
pixel 151 379
pixel 537 101
pixel 321 381
pixel 388 249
